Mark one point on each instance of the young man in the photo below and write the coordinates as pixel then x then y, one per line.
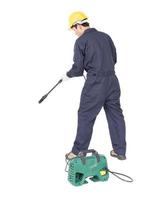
pixel 95 53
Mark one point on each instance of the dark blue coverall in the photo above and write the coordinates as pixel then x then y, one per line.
pixel 95 53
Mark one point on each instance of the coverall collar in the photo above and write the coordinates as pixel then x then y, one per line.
pixel 89 30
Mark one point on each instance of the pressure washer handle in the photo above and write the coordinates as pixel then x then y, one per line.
pixel 82 155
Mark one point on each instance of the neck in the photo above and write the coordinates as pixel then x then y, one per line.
pixel 85 28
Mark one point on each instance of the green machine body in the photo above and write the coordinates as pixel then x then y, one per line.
pixel 83 166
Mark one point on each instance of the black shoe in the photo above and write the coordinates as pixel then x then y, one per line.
pixel 120 157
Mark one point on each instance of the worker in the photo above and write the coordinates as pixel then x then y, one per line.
pixel 95 53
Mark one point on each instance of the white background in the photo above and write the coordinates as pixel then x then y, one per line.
pixel 36 48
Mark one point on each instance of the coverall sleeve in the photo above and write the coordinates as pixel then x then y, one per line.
pixel 113 49
pixel 78 59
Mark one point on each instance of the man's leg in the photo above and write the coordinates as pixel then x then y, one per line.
pixel 116 121
pixel 84 131
pixel 90 105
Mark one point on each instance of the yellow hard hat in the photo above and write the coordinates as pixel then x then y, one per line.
pixel 77 18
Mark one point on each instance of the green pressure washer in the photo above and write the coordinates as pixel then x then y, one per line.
pixel 94 166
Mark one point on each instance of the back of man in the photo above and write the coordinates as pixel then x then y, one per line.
pixel 95 53
pixel 99 50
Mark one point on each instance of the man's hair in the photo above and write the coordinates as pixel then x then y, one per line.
pixel 86 24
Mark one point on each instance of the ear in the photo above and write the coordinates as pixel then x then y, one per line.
pixel 74 28
pixel 80 27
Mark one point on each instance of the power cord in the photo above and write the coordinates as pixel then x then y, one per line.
pixel 117 174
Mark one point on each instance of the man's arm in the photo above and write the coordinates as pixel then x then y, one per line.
pixel 113 50
pixel 78 65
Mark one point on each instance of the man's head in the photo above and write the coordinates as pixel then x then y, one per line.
pixel 80 28
pixel 78 22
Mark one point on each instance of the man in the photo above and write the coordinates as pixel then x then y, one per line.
pixel 95 53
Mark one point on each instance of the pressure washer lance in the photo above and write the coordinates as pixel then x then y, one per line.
pixel 45 96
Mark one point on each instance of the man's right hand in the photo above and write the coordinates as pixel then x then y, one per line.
pixel 65 77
